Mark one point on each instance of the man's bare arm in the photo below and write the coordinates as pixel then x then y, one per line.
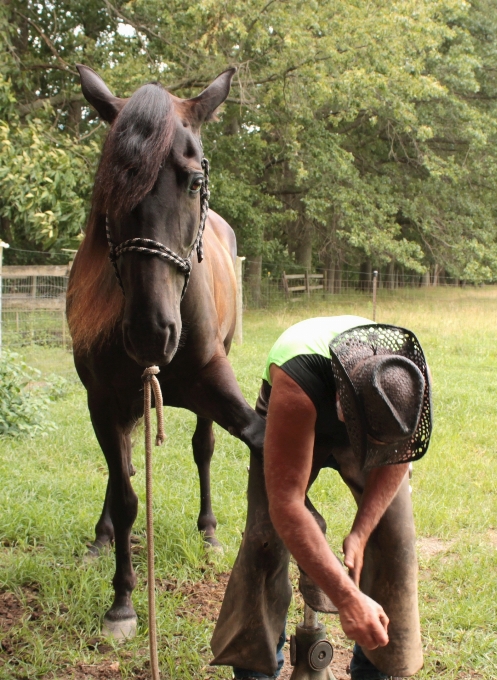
pixel 380 489
pixel 288 452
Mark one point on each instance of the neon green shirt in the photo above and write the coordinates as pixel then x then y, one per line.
pixel 312 336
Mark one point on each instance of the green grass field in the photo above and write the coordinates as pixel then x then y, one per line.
pixel 52 489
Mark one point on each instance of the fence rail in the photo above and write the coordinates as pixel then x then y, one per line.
pixel 307 287
pixel 32 298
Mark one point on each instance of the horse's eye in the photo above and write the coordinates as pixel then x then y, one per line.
pixel 196 184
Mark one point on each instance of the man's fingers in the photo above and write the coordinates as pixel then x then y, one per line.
pixel 384 619
pixel 371 645
pixel 382 640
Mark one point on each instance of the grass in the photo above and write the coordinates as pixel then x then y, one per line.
pixel 53 487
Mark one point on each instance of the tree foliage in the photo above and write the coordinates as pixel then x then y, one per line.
pixel 355 131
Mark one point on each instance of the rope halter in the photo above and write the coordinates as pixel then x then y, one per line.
pixel 148 246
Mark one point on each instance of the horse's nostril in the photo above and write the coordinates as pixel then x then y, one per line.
pixel 163 325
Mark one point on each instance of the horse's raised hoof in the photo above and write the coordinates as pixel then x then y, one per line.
pixel 122 629
pixel 212 544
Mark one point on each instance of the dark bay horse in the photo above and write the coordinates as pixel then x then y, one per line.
pixel 146 210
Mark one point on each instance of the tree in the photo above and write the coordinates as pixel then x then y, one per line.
pixel 355 132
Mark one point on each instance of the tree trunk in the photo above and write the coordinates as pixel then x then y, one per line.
pixel 365 276
pixel 391 275
pixel 253 273
pixel 303 249
pixel 74 116
pixel 426 278
pixel 338 276
pixel 5 231
pixel 436 274
pixel 329 274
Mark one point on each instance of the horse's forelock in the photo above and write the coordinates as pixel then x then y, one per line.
pixel 137 144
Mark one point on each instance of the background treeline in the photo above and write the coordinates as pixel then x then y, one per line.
pixel 357 133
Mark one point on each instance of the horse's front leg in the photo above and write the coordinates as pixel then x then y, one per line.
pixel 216 395
pixel 114 439
pixel 104 529
pixel 203 448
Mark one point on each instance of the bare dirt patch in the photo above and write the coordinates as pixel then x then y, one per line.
pixel 430 546
pixel 203 599
pixel 492 537
pixel 12 610
pixel 203 602
pixel 12 613
pixel 107 670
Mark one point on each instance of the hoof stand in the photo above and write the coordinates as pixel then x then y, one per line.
pixel 311 654
pixel 123 629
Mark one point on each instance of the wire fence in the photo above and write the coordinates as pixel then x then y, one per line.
pixel 268 284
pixel 33 306
pixel 33 297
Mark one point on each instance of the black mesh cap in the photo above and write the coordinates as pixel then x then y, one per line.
pixel 355 346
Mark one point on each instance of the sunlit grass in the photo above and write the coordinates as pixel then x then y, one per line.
pixel 52 490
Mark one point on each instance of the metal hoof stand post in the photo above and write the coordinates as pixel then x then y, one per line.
pixel 310 652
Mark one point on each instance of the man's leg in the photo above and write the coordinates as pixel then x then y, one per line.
pixel 252 617
pixel 244 674
pixel 361 667
pixel 390 576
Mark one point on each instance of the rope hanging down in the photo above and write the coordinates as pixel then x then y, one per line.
pixel 148 246
pixel 150 383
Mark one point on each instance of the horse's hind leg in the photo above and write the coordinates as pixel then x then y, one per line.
pixel 120 620
pixel 203 448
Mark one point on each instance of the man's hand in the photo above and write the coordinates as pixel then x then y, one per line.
pixel 364 621
pixel 353 550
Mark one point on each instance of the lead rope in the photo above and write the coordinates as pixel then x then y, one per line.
pixel 150 382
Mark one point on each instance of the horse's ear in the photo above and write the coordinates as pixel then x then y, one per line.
pixel 98 94
pixel 203 107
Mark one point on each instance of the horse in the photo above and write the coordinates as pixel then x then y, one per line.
pixel 138 297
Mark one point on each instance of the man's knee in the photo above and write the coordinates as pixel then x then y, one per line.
pixel 263 548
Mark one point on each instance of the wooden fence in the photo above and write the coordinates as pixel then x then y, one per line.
pixel 304 288
pixel 33 304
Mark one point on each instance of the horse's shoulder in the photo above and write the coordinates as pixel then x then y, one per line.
pixel 222 231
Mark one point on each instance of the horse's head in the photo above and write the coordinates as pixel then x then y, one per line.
pixel 149 185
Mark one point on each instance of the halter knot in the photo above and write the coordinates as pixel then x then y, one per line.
pixel 149 372
pixel 151 383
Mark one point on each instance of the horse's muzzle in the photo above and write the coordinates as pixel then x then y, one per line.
pixel 151 344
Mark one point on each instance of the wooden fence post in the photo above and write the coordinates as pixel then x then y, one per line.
pixel 238 338
pixel 285 285
pixel 64 328
pixel 375 284
pixel 2 246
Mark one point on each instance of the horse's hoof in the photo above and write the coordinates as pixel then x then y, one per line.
pixel 124 629
pixel 96 549
pixel 212 544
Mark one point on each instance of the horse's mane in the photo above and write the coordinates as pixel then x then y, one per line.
pixel 137 144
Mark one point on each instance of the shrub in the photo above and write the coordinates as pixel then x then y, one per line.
pixel 24 397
